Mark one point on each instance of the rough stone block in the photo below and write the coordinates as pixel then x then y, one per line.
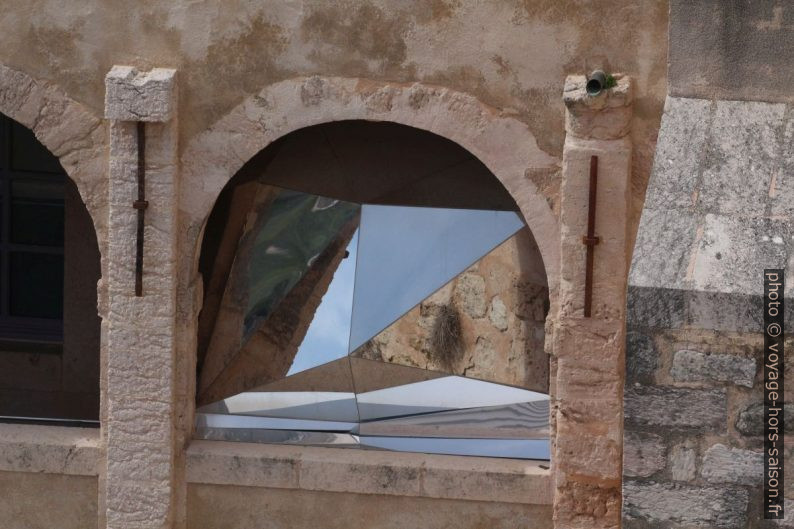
pixel 750 421
pixel 722 507
pixel 470 295
pixel 742 154
pixel 134 96
pixel 724 311
pixel 655 308
pixel 694 366
pixel 674 231
pixel 722 464
pixel 498 314
pixel 641 358
pixel 643 454
pixel 675 407
pixel 606 116
pixel 583 454
pixel 682 463
pixel 587 505
pixel 678 153
pixel 781 193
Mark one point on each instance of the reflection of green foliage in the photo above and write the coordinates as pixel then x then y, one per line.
pixel 297 228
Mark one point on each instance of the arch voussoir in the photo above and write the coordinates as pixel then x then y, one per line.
pixel 502 142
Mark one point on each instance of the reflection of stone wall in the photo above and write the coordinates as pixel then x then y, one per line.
pixel 487 323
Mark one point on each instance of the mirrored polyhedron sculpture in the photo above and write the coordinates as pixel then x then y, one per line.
pixel 388 327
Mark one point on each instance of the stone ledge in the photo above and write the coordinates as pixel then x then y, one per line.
pixel 49 449
pixel 369 472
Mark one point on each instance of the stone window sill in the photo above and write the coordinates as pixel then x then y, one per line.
pixel 49 449
pixel 369 472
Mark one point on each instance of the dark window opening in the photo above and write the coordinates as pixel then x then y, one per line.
pixel 49 266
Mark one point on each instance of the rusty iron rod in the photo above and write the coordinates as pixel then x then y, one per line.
pixel 590 240
pixel 141 204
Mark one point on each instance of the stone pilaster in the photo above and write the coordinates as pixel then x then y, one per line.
pixel 138 479
pixel 589 352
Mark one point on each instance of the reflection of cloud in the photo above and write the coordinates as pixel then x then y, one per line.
pixel 329 331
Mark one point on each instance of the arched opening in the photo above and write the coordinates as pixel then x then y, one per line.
pixel 49 268
pixel 371 283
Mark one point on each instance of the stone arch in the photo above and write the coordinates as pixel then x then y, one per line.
pixel 503 143
pixel 68 130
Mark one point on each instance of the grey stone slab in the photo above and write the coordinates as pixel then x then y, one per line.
pixel 679 153
pixel 643 454
pixel 724 311
pixel 733 251
pixel 641 358
pixel 663 248
pixel 655 308
pixel 723 507
pixel 742 156
pixel 665 407
pixel 782 193
pixel 695 366
pixel 722 464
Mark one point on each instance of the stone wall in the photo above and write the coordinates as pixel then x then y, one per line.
pixel 731 49
pixel 718 212
pixel 70 501
pixel 251 72
pixel 230 507
pixel 238 485
pixel 228 51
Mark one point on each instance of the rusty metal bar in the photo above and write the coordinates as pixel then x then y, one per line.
pixel 141 204
pixel 590 240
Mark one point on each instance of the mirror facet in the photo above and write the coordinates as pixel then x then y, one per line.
pixel 383 327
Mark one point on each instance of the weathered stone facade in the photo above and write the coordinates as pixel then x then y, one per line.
pixel 667 436
pixel 714 218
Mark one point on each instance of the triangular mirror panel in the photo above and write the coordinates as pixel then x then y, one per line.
pixel 440 394
pixel 524 420
pixel 407 253
pixel 486 323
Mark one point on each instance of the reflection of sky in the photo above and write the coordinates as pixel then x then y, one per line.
pixel 407 253
pixel 329 331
